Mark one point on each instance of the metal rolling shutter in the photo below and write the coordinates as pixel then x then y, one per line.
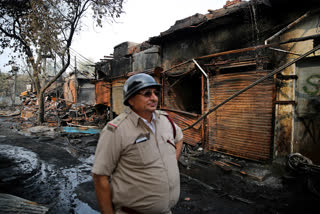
pixel 243 126
pixel 191 136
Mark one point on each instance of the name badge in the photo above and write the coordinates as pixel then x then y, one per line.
pixel 139 140
pixel 142 138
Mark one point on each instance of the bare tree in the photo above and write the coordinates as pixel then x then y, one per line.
pixel 39 29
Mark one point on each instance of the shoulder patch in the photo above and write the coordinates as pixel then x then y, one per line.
pixel 111 127
pixel 114 124
pixel 162 112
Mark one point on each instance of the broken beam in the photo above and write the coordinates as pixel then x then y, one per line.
pixel 182 112
pixel 260 47
pixel 285 102
pixel 286 77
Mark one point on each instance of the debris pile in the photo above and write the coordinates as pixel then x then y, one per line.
pixel 86 115
pixel 29 105
pixel 59 113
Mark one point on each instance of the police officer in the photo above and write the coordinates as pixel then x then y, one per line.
pixel 137 152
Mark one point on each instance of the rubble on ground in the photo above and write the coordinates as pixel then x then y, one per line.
pixel 59 113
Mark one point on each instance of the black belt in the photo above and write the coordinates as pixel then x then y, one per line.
pixel 129 210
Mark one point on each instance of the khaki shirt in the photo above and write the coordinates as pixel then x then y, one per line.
pixel 142 165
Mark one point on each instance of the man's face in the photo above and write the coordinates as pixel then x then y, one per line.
pixel 145 101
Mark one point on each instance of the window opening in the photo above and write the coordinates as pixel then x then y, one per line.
pixel 184 93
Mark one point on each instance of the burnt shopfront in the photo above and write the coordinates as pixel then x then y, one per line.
pixel 203 60
pixel 242 127
pixel 199 73
pixel 208 58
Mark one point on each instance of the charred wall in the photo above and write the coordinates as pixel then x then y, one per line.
pixel 121 66
pixel 146 60
pixel 260 123
pixel 246 25
pixel 175 52
pixel 291 135
pixel 307 117
pixel 86 92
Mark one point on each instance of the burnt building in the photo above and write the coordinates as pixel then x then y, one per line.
pixel 240 72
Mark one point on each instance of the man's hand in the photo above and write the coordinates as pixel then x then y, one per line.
pixel 103 192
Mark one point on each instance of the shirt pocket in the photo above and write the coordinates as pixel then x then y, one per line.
pixel 147 152
pixel 168 144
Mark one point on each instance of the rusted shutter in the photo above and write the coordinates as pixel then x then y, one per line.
pixel 69 91
pixel 117 96
pixel 191 136
pixel 103 93
pixel 243 126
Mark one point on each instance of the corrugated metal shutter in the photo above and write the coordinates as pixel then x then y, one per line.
pixel 243 126
pixel 191 136
pixel 117 96
pixel 103 93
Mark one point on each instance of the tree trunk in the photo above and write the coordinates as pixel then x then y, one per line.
pixel 41 107
pixel 14 87
pixel 29 71
pixel 36 81
pixel 44 88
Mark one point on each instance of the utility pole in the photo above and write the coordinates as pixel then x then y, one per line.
pixel 56 104
pixel 14 87
pixel 75 79
pixel 76 87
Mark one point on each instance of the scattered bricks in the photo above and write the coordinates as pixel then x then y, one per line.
pixel 223 166
pixel 26 114
pixel 25 93
pixel 52 124
pixel 252 176
pixel 234 164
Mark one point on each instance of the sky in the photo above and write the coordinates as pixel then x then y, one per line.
pixel 142 19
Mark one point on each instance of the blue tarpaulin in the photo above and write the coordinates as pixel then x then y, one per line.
pixel 80 130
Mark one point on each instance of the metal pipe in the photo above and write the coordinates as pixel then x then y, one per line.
pixel 235 51
pixel 182 112
pixel 287 27
pixel 293 110
pixel 176 66
pixel 300 39
pixel 284 51
pixel 253 84
pixel 173 84
pixel 208 84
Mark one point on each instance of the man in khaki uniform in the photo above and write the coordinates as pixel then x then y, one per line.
pixel 137 152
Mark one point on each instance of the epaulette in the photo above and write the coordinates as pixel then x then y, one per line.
pixel 162 112
pixel 170 120
pixel 114 124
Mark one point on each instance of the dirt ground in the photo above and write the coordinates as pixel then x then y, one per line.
pixel 55 171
